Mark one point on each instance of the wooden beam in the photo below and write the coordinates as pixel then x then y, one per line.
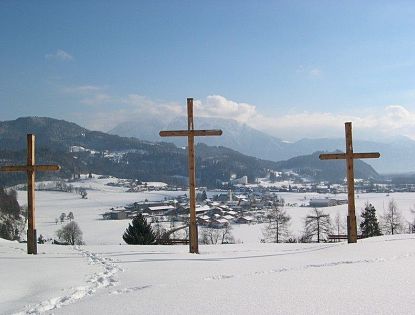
pixel 349 156
pixel 342 156
pixel 193 233
pixel 30 168
pixel 370 155
pixel 193 133
pixel 332 156
pixel 351 218
pixel 31 232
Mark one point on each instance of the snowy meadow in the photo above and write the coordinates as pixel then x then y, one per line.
pixel 106 276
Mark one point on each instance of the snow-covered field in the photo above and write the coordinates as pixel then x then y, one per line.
pixel 373 276
pixel 87 212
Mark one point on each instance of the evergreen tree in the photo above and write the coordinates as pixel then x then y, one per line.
pixel 369 225
pixel 139 232
pixel 11 216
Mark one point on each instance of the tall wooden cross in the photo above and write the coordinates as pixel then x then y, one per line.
pixel 191 133
pixel 30 168
pixel 349 156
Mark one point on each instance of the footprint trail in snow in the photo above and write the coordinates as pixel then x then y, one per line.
pixel 103 279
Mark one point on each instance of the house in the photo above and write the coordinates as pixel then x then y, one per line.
pixel 203 220
pixel 229 218
pixel 116 215
pixel 323 202
pixel 219 223
pixel 245 220
pixel 158 210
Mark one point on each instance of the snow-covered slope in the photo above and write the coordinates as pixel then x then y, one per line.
pixel 374 276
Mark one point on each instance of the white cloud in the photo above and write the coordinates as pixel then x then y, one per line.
pixel 374 123
pixel 60 55
pixel 219 106
pixel 388 121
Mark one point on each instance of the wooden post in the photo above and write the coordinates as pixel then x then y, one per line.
pixel 30 168
pixel 31 232
pixel 193 233
pixel 349 156
pixel 190 133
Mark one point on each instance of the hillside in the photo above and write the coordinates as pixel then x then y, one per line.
pixel 124 157
pixel 334 278
pixel 396 152
pixel 332 170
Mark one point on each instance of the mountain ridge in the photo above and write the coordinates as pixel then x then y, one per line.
pixel 124 157
pixel 395 153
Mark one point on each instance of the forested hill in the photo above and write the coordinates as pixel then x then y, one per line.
pixel 331 170
pixel 57 134
pixel 78 149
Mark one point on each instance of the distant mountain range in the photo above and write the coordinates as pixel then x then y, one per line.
pixel 396 155
pixel 78 149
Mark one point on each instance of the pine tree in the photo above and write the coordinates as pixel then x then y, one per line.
pixel 139 232
pixel 369 225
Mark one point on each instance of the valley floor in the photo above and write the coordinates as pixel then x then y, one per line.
pixel 374 276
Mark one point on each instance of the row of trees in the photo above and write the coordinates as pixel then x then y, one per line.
pixel 70 216
pixel 317 224
pixel 140 232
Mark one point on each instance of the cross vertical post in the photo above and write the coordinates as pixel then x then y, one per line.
pixel 31 231
pixel 349 156
pixel 193 233
pixel 30 168
pixel 191 133
pixel 351 215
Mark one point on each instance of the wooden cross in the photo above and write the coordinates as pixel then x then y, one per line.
pixel 191 133
pixel 349 156
pixel 30 168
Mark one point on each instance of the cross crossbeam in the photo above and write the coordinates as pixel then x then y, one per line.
pixel 349 156
pixel 191 133
pixel 30 168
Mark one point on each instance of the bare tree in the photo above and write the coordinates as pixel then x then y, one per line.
pixel 317 224
pixel 70 216
pixel 212 235
pixel 392 222
pixel 70 233
pixel 339 224
pixel 227 236
pixel 277 228
pixel 62 217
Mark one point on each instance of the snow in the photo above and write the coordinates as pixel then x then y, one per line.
pixel 333 278
pixel 104 277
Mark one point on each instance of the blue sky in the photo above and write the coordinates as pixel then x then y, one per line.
pixel 290 68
